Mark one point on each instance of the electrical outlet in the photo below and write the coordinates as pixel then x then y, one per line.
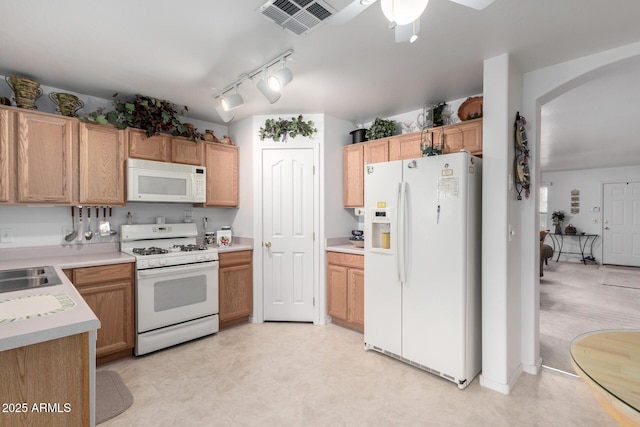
pixel 6 236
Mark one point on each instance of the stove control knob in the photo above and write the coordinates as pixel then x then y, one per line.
pixel 199 257
pixel 152 262
pixel 207 256
pixel 142 264
pixel 162 261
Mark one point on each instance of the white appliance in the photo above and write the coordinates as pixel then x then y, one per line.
pixel 422 263
pixel 176 292
pixel 149 181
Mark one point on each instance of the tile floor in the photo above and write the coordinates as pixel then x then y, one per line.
pixel 288 374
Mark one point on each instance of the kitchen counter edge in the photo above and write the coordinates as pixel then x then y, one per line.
pixel 346 249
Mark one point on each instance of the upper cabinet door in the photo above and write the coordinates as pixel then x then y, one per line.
pixel 405 146
pixel 376 151
pixel 187 152
pixel 353 176
pixel 222 162
pixel 45 151
pixel 7 160
pixel 154 148
pixel 102 156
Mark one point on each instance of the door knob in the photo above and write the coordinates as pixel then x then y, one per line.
pixel 606 228
pixel 267 244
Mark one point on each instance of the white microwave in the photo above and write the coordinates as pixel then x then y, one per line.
pixel 149 181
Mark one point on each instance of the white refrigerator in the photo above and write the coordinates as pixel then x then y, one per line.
pixel 422 263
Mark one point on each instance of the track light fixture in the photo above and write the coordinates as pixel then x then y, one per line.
pixel 224 115
pixel 270 85
pixel 280 78
pixel 231 102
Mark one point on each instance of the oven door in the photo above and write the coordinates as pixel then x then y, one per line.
pixel 170 295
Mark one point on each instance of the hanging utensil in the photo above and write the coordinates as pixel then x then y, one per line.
pixel 89 234
pixel 80 223
pixel 105 227
pixel 73 233
pixel 112 232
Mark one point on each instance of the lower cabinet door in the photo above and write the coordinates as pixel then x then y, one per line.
pixel 356 298
pixel 337 292
pixel 112 304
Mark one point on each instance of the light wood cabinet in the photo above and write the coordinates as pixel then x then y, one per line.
pixel 7 157
pixel 453 138
pixel 345 290
pixel 102 157
pixel 45 158
pixel 141 147
pixel 54 372
pixel 222 163
pixel 405 146
pixel 108 291
pixel 376 151
pixel 235 287
pixel 353 176
pixel 187 152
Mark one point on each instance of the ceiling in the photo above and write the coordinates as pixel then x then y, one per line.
pixel 188 51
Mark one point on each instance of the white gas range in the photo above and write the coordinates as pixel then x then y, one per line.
pixel 176 284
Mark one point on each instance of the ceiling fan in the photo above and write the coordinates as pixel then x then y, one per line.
pixel 403 15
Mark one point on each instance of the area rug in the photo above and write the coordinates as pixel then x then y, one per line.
pixel 624 278
pixel 112 396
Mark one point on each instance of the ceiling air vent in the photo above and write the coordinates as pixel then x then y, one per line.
pixel 300 16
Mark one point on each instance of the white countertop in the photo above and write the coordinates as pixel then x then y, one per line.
pixel 234 248
pixel 77 319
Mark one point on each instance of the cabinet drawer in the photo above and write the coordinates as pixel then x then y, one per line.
pixel 103 273
pixel 228 259
pixel 348 260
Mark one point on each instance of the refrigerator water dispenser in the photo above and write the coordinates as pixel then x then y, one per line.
pixel 380 229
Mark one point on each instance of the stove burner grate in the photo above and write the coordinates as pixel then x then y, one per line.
pixel 191 247
pixel 149 251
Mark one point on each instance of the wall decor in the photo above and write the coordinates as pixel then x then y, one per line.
pixel 575 201
pixel 521 161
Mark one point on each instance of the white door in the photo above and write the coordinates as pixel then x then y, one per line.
pixel 621 224
pixel 287 216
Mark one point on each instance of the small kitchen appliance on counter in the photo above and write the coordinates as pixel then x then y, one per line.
pixel 176 284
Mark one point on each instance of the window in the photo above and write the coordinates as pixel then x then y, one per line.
pixel 544 214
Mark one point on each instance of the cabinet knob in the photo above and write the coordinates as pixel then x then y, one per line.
pixel 267 244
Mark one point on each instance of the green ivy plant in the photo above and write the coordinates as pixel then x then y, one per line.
pixel 147 113
pixel 381 128
pixel 281 128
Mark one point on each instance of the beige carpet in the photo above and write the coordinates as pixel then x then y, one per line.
pixel 573 301
pixel 624 277
pixel 112 396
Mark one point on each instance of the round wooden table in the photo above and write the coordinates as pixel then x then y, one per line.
pixel 609 362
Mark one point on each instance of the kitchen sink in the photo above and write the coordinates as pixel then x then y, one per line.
pixel 26 278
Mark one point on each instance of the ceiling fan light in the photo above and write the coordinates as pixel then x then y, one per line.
pixel 271 95
pixel 403 12
pixel 231 102
pixel 279 79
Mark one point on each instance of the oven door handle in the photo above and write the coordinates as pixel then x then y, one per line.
pixel 178 269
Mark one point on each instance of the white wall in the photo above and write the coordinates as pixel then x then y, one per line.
pixel 589 182
pixel 338 221
pixel 501 258
pixel 242 135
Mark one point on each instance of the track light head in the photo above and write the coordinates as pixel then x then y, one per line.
pixel 279 79
pixel 231 102
pixel 271 95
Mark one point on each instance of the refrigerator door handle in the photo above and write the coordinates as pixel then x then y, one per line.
pixel 401 233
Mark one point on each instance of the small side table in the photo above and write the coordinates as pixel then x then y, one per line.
pixel 583 241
